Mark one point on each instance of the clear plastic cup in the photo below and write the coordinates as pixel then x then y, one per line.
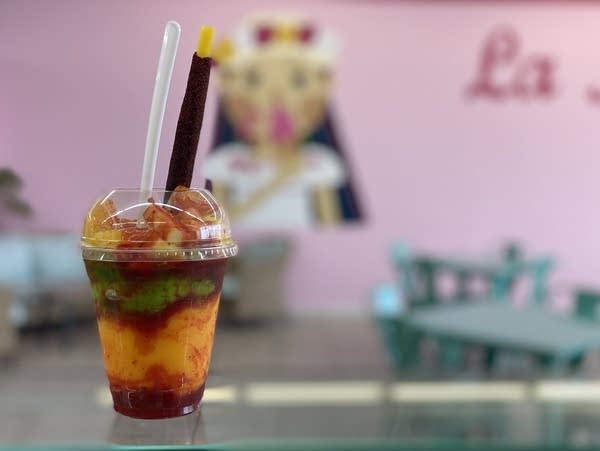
pixel 156 265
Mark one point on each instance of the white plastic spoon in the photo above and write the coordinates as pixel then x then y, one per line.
pixel 159 101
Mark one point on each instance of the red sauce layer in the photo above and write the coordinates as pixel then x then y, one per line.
pixel 149 324
pixel 154 404
pixel 198 269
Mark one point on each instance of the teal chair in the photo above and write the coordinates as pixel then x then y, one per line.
pixel 502 284
pixel 537 270
pixel 415 277
pixel 402 260
pixel 401 342
pixel 391 301
pixel 587 307
pixel 416 287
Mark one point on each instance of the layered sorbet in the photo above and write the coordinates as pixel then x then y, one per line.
pixel 156 273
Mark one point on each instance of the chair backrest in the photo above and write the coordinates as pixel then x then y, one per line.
pixel 535 270
pixel 587 304
pixel 408 284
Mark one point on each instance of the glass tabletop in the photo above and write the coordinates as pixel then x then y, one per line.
pixel 376 415
pixel 303 384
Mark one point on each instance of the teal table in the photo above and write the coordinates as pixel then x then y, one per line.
pixel 555 339
pixel 473 278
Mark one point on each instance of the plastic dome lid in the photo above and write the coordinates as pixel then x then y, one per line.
pixel 180 224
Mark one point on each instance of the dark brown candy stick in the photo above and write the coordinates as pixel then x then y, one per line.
pixel 187 135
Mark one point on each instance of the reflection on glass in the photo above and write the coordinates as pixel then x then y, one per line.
pixel 183 430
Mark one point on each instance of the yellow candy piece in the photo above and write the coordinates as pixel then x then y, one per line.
pixel 203 50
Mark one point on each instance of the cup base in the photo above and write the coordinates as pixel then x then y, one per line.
pixel 155 404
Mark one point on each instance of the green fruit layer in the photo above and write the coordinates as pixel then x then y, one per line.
pixel 113 292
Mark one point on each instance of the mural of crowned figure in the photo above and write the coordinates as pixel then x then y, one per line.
pixel 276 159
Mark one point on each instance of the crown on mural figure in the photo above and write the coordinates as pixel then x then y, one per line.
pixel 278 33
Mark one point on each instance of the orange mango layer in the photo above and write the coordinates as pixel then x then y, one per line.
pixel 176 356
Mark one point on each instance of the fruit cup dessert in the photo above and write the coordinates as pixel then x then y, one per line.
pixel 156 267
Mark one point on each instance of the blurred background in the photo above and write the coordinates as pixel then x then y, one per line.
pixel 464 137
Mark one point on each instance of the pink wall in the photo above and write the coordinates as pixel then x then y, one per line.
pixel 434 170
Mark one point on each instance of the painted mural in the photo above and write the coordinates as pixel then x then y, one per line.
pixel 277 159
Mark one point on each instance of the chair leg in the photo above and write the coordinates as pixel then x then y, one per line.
pixel 451 353
pixel 410 341
pixel 575 363
pixel 490 357
pixel 546 362
pixel 402 342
